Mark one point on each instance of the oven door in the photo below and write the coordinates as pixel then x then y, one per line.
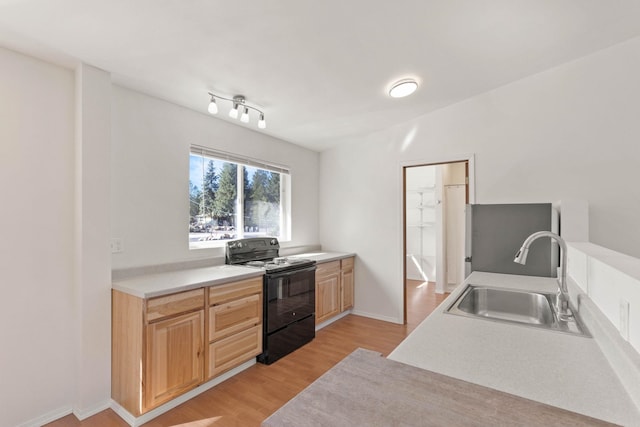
pixel 290 296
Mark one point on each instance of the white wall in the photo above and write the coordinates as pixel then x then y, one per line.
pixel 38 357
pixel 571 132
pixel 92 267
pixel 150 177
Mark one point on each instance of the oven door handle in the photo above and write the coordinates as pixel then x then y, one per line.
pixel 291 273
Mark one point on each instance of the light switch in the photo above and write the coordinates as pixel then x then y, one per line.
pixel 116 245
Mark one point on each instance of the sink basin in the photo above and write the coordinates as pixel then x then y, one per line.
pixel 504 304
pixel 514 306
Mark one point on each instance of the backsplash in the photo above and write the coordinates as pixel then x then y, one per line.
pixel 612 282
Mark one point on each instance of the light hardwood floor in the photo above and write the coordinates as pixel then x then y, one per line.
pixel 421 301
pixel 251 396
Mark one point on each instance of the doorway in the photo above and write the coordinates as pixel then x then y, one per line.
pixel 434 199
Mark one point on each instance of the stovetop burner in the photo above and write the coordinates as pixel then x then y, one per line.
pixel 280 264
pixel 262 252
pixel 255 264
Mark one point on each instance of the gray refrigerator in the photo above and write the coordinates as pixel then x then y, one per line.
pixel 495 232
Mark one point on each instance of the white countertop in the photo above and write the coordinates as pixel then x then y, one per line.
pixel 621 262
pixel 321 256
pixel 153 285
pixel 157 284
pixel 555 368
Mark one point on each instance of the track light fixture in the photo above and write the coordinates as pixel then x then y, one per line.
pixel 239 104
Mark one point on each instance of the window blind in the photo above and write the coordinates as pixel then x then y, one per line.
pixel 236 158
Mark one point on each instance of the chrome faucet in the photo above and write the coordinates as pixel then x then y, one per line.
pixel 562 300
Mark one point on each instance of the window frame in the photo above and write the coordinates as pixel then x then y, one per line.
pixel 241 162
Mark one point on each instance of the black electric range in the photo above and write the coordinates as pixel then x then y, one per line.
pixel 289 294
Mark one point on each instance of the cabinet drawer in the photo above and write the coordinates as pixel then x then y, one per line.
pixel 169 305
pixel 234 290
pixel 347 263
pixel 234 350
pixel 327 268
pixel 234 316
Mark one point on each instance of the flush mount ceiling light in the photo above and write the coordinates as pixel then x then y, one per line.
pixel 239 104
pixel 403 88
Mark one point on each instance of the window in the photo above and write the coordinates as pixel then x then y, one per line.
pixel 233 197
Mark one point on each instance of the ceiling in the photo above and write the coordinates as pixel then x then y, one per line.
pixel 320 70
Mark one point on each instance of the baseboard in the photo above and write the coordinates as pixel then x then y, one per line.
pixel 63 412
pixel 450 288
pixel 357 313
pixel 123 413
pixel 48 417
pixel 333 319
pixel 144 418
pixel 378 317
pixel 86 413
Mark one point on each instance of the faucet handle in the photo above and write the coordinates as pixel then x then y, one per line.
pixel 563 310
pixel 566 317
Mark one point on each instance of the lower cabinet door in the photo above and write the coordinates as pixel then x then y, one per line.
pixel 175 357
pixel 234 350
pixel 327 297
pixel 347 290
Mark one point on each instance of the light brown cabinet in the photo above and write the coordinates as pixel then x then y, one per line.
pixel 175 357
pixel 234 350
pixel 327 290
pixel 346 284
pixel 334 288
pixel 235 324
pixel 162 347
pixel 157 348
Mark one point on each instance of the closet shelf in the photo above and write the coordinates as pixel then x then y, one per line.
pixel 422 190
pixel 423 225
pixel 426 206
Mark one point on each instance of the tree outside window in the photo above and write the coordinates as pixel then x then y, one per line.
pixel 215 212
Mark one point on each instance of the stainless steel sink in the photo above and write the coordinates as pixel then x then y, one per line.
pixel 514 306
pixel 503 304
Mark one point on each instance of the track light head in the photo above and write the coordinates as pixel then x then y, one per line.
pixel 213 107
pixel 262 124
pixel 238 100
pixel 233 113
pixel 245 115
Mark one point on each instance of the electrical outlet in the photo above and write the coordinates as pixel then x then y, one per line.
pixel 116 245
pixel 624 319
